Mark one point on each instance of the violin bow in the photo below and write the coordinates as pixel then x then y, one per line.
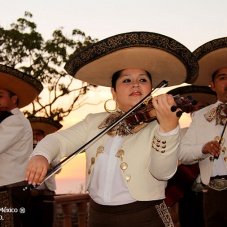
pixel 57 167
pixel 223 131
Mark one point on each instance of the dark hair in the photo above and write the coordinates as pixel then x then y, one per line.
pixel 214 74
pixel 116 75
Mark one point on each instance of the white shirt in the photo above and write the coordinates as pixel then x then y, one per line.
pixel 107 186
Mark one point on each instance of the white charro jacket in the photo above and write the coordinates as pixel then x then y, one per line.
pixel 16 147
pixel 151 158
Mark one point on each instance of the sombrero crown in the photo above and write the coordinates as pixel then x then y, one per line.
pixel 26 87
pixel 162 56
pixel 211 56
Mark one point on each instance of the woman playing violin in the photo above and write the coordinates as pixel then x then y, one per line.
pixel 126 170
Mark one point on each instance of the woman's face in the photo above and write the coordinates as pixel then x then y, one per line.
pixel 131 86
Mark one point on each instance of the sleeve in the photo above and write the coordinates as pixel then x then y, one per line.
pixel 164 155
pixel 190 150
pixel 64 142
pixel 11 131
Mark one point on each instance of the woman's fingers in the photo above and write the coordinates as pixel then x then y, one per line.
pixel 36 169
pixel 167 118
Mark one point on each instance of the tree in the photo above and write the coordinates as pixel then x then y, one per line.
pixel 24 48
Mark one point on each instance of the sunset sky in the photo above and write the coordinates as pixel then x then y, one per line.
pixel 191 22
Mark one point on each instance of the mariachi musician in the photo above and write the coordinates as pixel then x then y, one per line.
pixel 205 141
pixel 17 90
pixel 128 167
pixel 182 198
pixel 41 206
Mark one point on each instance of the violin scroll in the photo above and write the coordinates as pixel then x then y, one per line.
pixel 186 104
pixel 142 114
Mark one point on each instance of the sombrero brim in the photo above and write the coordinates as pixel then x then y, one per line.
pixel 162 56
pixel 211 56
pixel 45 124
pixel 202 94
pixel 26 87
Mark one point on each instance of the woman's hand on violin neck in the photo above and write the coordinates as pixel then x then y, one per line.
pixel 36 169
pixel 167 119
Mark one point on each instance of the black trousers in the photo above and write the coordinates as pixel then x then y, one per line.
pixel 137 214
pixel 191 209
pixel 41 211
pixel 215 208
pixel 14 203
pixel 21 208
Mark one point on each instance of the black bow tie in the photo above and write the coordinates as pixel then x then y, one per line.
pixel 4 115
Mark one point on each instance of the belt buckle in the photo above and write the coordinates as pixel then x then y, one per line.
pixel 218 184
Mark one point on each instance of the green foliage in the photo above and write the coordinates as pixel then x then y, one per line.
pixel 24 48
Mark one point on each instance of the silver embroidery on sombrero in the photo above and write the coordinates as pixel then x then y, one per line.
pixel 164 214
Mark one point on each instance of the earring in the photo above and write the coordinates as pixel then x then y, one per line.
pixel 112 103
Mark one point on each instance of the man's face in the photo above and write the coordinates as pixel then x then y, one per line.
pixel 219 85
pixel 7 102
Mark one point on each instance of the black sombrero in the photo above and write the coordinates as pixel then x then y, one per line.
pixel 26 87
pixel 211 56
pixel 162 56
pixel 48 125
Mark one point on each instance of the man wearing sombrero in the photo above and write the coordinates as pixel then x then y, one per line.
pixel 16 91
pixel 127 167
pixel 206 139
pixel 41 210
pixel 181 192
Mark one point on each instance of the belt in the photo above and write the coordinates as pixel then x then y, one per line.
pixel 134 206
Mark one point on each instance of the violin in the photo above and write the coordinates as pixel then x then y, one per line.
pixel 143 113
